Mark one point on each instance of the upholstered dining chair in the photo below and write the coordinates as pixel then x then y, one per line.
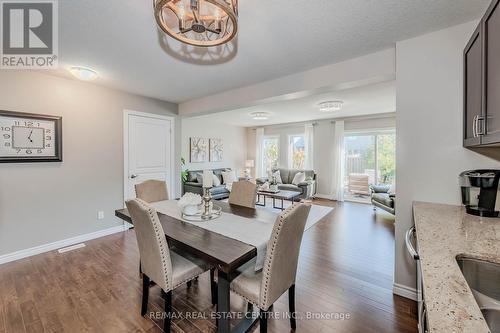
pixel 243 193
pixel 152 191
pixel 263 288
pixel 159 264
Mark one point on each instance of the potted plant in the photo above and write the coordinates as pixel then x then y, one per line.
pixel 184 172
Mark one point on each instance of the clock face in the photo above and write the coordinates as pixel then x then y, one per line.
pixel 27 138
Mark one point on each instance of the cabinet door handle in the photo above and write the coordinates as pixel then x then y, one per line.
pixel 474 123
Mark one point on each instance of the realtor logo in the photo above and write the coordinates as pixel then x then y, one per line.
pixel 29 34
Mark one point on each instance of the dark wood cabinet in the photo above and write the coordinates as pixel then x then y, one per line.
pixel 491 58
pixel 473 92
pixel 482 82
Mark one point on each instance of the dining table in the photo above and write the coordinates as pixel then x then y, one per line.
pixel 224 253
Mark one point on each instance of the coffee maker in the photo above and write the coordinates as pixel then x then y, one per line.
pixel 480 192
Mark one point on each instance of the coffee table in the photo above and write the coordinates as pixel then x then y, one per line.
pixel 281 195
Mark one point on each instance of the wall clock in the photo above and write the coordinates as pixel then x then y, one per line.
pixel 26 137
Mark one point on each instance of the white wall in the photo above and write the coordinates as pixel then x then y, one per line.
pixel 234 141
pixel 47 202
pixel 323 138
pixel 429 129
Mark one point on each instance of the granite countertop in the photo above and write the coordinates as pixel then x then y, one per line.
pixel 443 233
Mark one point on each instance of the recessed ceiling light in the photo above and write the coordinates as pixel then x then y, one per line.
pixel 330 106
pixel 260 115
pixel 83 73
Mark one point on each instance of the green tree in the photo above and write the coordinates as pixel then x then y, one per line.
pixel 271 153
pixel 387 157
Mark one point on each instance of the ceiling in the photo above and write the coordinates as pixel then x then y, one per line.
pixel 368 100
pixel 120 40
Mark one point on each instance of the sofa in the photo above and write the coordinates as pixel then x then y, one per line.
pixel 307 189
pixel 382 199
pixel 217 192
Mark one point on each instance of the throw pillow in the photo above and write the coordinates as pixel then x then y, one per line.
pixel 216 180
pixel 277 175
pixel 228 177
pixel 299 178
pixel 199 177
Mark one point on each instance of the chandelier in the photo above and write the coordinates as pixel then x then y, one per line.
pixel 198 22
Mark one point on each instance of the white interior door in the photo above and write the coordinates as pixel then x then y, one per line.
pixel 148 150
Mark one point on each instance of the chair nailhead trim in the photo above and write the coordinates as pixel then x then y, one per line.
pixel 160 238
pixel 269 259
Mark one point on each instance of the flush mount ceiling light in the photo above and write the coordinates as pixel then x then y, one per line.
pixel 260 115
pixel 330 106
pixel 198 22
pixel 83 73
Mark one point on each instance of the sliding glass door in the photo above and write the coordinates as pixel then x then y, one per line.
pixel 370 158
pixel 386 158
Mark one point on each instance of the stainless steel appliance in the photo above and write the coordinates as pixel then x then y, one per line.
pixel 411 247
pixel 480 192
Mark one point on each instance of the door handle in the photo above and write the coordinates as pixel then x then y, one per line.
pixel 133 176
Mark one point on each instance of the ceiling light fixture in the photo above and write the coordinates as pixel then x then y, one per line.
pixel 330 106
pixel 83 73
pixel 260 115
pixel 198 22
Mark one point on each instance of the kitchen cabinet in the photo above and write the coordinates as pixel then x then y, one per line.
pixel 491 27
pixel 473 92
pixel 482 82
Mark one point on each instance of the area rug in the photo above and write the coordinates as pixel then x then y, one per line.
pixel 317 214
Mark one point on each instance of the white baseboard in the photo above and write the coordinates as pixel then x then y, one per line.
pixel 59 244
pixel 323 196
pixel 404 291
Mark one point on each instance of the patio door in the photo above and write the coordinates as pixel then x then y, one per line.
pixel 370 158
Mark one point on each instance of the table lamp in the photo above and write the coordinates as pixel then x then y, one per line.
pixel 249 164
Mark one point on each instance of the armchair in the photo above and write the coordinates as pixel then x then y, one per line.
pixel 382 199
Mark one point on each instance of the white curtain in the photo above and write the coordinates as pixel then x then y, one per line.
pixel 309 143
pixel 259 161
pixel 337 189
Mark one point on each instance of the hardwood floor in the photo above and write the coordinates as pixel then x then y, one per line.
pixel 346 267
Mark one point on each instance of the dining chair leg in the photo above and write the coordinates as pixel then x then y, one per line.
pixel 249 307
pixel 263 321
pixel 167 323
pixel 213 286
pixel 145 294
pixel 291 305
pixel 189 284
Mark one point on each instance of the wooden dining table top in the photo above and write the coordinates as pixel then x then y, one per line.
pixel 226 253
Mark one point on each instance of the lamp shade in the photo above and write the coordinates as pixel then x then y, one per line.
pixel 249 163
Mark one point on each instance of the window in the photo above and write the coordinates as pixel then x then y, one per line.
pixel 297 152
pixel 271 152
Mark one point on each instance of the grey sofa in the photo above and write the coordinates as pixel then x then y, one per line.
pixel 307 189
pixel 382 199
pixel 218 192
